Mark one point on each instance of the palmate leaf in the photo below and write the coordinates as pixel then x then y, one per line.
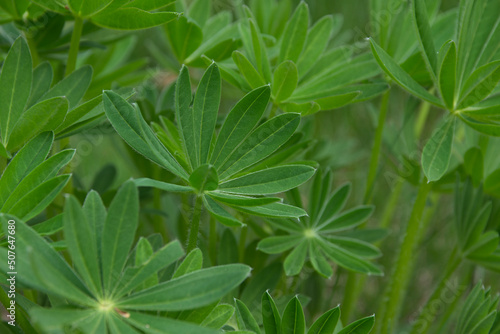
pixel 319 237
pixel 478 314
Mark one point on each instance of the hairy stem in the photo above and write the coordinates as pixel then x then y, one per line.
pixel 195 225
pixel 393 298
pixel 75 45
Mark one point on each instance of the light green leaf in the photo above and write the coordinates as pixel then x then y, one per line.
pixel 44 116
pixel 218 317
pixel 118 233
pixel 135 276
pixel 480 84
pixel 205 109
pixel 87 8
pixel 193 290
pixel 251 75
pixel 95 211
pixel 237 200
pixel 392 69
pixel 269 181
pixel 82 112
pixel 244 318
pixel 219 213
pixel 293 318
pixel 326 323
pixel 361 326
pixel 317 40
pixel 82 245
pixel 192 262
pixel 279 244
pixel 285 80
pixel 447 74
pixel 145 182
pixel 199 11
pixel 143 253
pixel 148 4
pixel 15 80
pixel 42 80
pixel 50 226
pixel 270 315
pixel 129 18
pixel 27 159
pixel 348 219
pixel 239 122
pixel 295 34
pixel 260 143
pixel 437 151
pixel 293 265
pixel 274 210
pixel 73 87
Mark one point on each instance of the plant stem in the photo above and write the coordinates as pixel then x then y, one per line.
pixel 212 240
pixel 355 281
pixel 195 225
pixel 429 312
pixel 33 49
pixel 393 297
pixel 159 223
pixel 422 118
pixel 75 45
pixel 242 242
pixel 377 144
pixel 392 203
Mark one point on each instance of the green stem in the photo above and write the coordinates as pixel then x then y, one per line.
pixel 212 240
pixel 195 225
pixel 422 118
pixel 241 245
pixel 392 204
pixel 377 144
pixel 159 224
pixel 33 49
pixel 438 297
pixel 393 298
pixel 75 45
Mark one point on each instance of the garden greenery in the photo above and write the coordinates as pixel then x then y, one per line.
pixel 210 166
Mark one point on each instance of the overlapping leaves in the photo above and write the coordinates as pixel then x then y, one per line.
pixel 214 166
pixel 292 321
pixel 465 74
pixel 479 312
pixel 104 290
pixel 324 235
pixel 306 75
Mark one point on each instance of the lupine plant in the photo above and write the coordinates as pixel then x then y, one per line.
pixel 249 166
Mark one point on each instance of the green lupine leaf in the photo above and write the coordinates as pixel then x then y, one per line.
pixel 261 55
pixel 447 73
pixel 204 178
pixel 54 319
pixel 274 210
pixel 95 211
pixel 143 253
pixel 54 6
pixel 437 151
pixel 473 164
pixel 349 219
pixel 15 80
pixel 205 109
pixel 326 323
pixel 118 233
pixel 251 75
pixel 50 226
pixel 270 315
pixel 488 128
pixel 42 80
pixel 44 116
pixel 424 35
pixel 193 290
pixel 218 212
pixel 269 181
pixel 129 18
pixel 480 84
pixel 361 326
pixel 238 200
pixel 285 80
pixel 293 318
pixel 117 325
pixel 82 245
pixel 82 112
pixel 316 42
pixel 44 269
pixel 192 262
pixel 295 34
pixel 337 101
pixel 87 8
pixel 155 324
pixel 185 115
pixel 145 182
pixel 392 69
pixel 318 260
pixel 219 316
pixel 135 276
pixel 34 202
pixel 239 122
pixel 355 246
pixel 244 318
pixel 199 11
pixel 293 265
pixel 148 4
pixel 279 244
pixel 4 153
pixel 260 143
pixel 184 36
pixel 43 172
pixel 73 87
pixel 130 125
